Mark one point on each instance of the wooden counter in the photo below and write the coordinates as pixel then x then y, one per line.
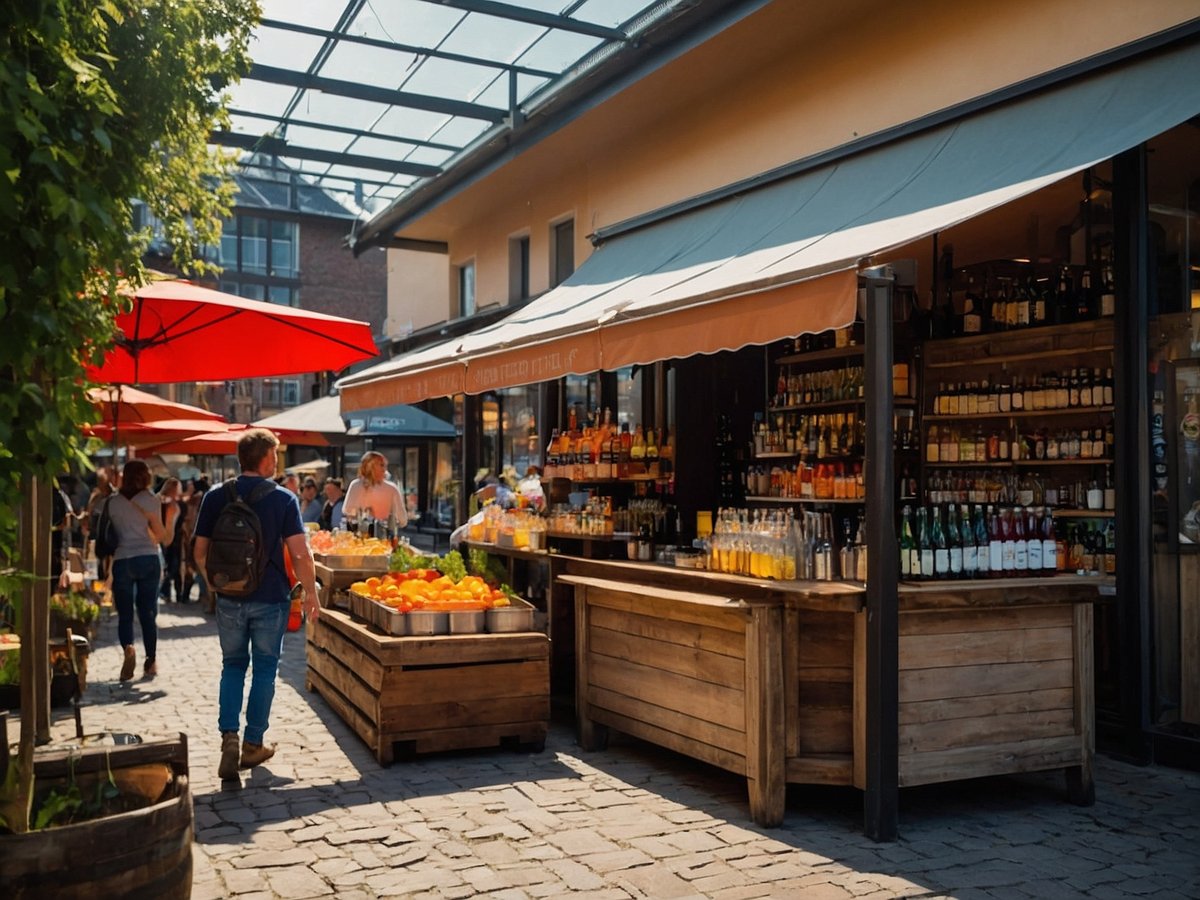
pixel 431 693
pixel 768 679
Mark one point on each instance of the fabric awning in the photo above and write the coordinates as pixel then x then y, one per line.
pixel 398 420
pixel 781 260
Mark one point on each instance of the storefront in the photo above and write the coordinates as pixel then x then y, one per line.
pixel 1054 255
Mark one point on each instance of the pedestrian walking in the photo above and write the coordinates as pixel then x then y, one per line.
pixel 251 627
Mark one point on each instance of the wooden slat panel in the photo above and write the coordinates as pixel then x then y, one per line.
pixel 859 715
pixel 997 729
pixel 969 621
pixel 826 730
pixel 820 769
pixel 992 704
pixel 1081 783
pixel 975 681
pixel 672 720
pixel 710 702
pixel 685 634
pixel 791 680
pixel 931 651
pixel 436 740
pixel 669 657
pixel 346 710
pixel 350 655
pixel 469 683
pixel 827 694
pixel 989 759
pixel 348 684
pixel 410 718
pixel 826 640
pixel 380 647
pixel 464 649
pixel 832 675
pixel 714 613
pixel 721 757
pixel 765 764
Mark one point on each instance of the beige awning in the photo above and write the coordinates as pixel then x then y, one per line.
pixel 781 260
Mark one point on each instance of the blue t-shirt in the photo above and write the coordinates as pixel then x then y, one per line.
pixel 278 513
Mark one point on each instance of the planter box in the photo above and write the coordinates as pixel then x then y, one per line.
pixel 425 694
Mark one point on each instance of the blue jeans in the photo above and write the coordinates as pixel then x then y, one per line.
pixel 135 583
pixel 251 634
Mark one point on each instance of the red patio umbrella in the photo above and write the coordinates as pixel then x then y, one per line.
pixel 222 442
pixel 179 331
pixel 124 404
pixel 151 434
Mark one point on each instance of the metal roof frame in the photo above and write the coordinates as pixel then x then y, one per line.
pixel 384 100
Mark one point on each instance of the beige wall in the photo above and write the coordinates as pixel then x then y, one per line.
pixel 784 84
pixel 417 291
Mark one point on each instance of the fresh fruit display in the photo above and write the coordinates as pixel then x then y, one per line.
pixel 429 589
pixel 343 543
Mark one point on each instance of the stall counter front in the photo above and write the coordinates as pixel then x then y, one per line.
pixel 768 679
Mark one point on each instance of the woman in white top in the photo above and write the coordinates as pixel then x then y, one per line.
pixel 136 568
pixel 372 494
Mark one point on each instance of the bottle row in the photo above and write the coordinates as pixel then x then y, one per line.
pixel 1010 302
pixel 1075 388
pixel 602 451
pixel 816 436
pixel 794 388
pixel 962 444
pixel 999 542
pixel 1027 489
pixel 777 544
pixel 822 481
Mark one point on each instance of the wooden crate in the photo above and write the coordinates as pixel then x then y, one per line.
pixel 695 673
pixel 426 694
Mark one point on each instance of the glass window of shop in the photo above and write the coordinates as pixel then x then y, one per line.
pixel 444 485
pixel 629 396
pixel 580 398
pixel 518 428
pixel 1173 171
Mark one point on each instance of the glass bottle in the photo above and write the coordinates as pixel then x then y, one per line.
pixel 1049 544
pixel 1008 541
pixel 954 542
pixel 982 560
pixel 924 547
pixel 941 552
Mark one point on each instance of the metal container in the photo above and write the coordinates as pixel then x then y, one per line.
pixel 469 621
pixel 510 619
pixel 394 621
pixel 373 563
pixel 425 621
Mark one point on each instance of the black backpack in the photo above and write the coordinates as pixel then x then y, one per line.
pixel 237 557
pixel 106 534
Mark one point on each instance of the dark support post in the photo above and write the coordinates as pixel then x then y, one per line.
pixel 881 797
pixel 1132 437
pixel 470 451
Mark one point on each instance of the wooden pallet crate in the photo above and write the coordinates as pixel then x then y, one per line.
pixel 425 694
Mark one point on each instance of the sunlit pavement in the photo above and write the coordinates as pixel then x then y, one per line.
pixel 324 818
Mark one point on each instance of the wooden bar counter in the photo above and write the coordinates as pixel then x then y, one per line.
pixel 768 679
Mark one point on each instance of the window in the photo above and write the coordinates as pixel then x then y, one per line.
pixel 257 246
pixel 283 249
pixel 562 261
pixel 280 392
pixel 518 268
pixel 254 245
pixel 466 289
pixel 284 295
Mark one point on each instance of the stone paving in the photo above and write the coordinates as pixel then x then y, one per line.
pixel 324 819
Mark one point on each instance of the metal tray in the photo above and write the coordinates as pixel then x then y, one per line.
pixel 470 621
pixel 426 621
pixel 375 563
pixel 510 619
pixel 392 621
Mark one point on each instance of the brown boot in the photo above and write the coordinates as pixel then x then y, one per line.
pixel 255 754
pixel 228 767
pixel 127 667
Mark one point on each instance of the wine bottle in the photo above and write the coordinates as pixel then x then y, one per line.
pixel 924 546
pixel 910 559
pixel 981 544
pixel 1020 544
pixel 954 542
pixel 1049 544
pixel 970 552
pixel 995 544
pixel 1033 542
pixel 941 552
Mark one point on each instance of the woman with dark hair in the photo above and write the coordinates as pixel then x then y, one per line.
pixel 136 569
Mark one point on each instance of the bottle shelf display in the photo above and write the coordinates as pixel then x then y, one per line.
pixel 1018 438
pixel 597 452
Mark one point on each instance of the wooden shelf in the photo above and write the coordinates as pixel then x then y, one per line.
pixel 1019 357
pixel 1081 461
pixel 1019 414
pixel 1083 513
pixel 812 501
pixel 902 402
pixel 774 455
pixel 853 352
pixel 1015 463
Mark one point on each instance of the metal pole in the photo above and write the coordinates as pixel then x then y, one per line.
pixel 881 797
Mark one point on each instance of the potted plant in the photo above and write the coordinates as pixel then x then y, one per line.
pixel 73 610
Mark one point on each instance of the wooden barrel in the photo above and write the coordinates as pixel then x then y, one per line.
pixel 146 853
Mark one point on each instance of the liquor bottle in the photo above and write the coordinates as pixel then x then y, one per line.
pixel 972 314
pixel 1084 301
pixel 941 552
pixel 1020 544
pixel 981 544
pixel 924 546
pixel 823 550
pixel 954 542
pixel 1110 548
pixel 1008 542
pixel 637 446
pixel 1108 387
pixel 860 551
pixel 1000 308
pixel 651 445
pixel 1049 544
pixel 1023 303
pixel 995 544
pixel 1108 297
pixel 970 552
pixel 1037 304
pixel 910 558
pixel 1033 542
pixel 846 553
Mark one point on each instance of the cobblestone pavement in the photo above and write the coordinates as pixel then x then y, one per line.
pixel 323 818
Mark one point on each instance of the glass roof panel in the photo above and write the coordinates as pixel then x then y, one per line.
pixel 433 49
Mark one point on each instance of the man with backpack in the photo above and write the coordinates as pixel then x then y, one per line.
pixel 241 532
